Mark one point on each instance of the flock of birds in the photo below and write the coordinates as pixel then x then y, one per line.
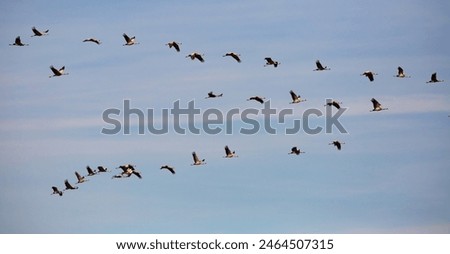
pixel 129 170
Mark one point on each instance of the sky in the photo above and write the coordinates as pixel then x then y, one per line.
pixel 391 176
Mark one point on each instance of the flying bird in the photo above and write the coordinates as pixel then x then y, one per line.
pixel 229 153
pixel 96 41
pixel 90 171
pixel 333 103
pixel 197 161
pixel 212 95
pixel 80 178
pixel 102 169
pixel 320 67
pixel 195 55
pixel 175 45
pixel 56 72
pixel 257 98
pixel 369 75
pixel 38 33
pixel 401 73
pixel 270 61
pixel 296 151
pixel 129 41
pixel 69 186
pixel 377 105
pixel 337 144
pixel 18 42
pixel 434 79
pixel 233 55
pixel 171 169
pixel 128 170
pixel 295 98
pixel 56 191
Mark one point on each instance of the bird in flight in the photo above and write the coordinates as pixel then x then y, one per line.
pixel 257 98
pixel 56 191
pixel 69 186
pixel 295 98
pixel 401 73
pixel 320 67
pixel 213 95
pixel 434 79
pixel 270 61
pixel 296 151
pixel 175 45
pixel 96 41
pixel 337 144
pixel 377 105
pixel 129 41
pixel 195 55
pixel 229 153
pixel 197 161
pixel 370 75
pixel 18 42
pixel 169 168
pixel 56 72
pixel 333 103
pixel 233 55
pixel 38 33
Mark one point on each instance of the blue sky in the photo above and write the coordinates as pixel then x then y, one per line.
pixel 392 175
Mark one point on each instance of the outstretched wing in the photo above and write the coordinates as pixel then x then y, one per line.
pixel 127 39
pixel 400 71
pixel 319 65
pixel 293 95
pixel 337 144
pixel 176 46
pixel 54 70
pixel 18 41
pixel 236 57
pixel 434 77
pixel 336 104
pixel 194 156
pixel 227 150
pixel 375 103
pixel 269 60
pixel 138 174
pixel 199 57
pixel 35 31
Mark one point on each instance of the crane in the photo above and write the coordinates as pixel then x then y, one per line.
pixel 57 72
pixel 320 67
pixel 233 55
pixel 270 61
pixel 213 95
pixel 257 98
pixel 434 79
pixel 18 42
pixel 229 153
pixel 56 191
pixel 296 151
pixel 38 33
pixel 197 161
pixel 195 55
pixel 175 45
pixel 337 144
pixel 129 40
pixel 295 98
pixel 376 105
pixel 96 41
pixel 369 74
pixel 171 169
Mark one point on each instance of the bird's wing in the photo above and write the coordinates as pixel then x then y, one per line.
pixel 55 189
pixel 79 177
pixel 434 77
pixel 269 60
pixel 17 41
pixel 319 65
pixel 236 57
pixel 227 150
pixel 62 69
pixel 294 149
pixel 375 103
pixel 54 70
pixel 89 170
pixel 370 75
pixel 127 39
pixel 138 174
pixel 35 31
pixel 293 95
pixel 194 155
pixel 67 184
pixel 176 46
pixel 334 103
pixel 400 71
pixel 259 99
pixel 338 145
pixel 199 57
